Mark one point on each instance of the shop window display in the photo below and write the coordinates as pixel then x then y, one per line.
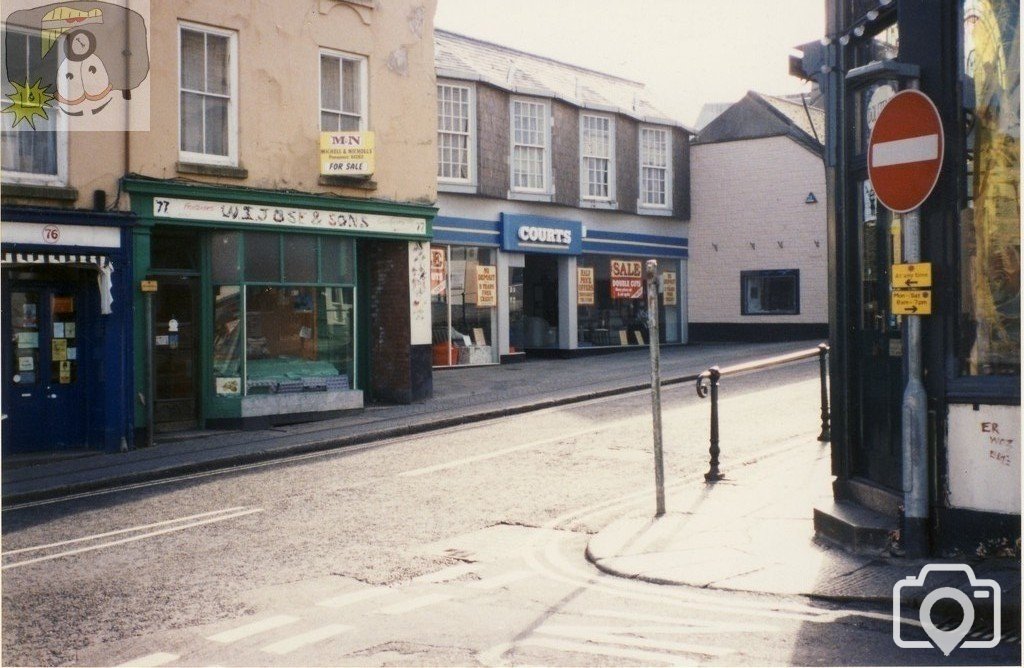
pixel 612 302
pixel 464 305
pixel 297 338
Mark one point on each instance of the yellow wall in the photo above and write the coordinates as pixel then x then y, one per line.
pixel 278 112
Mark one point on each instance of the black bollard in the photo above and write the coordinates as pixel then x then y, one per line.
pixel 826 432
pixel 708 383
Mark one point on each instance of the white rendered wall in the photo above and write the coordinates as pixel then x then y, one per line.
pixel 752 192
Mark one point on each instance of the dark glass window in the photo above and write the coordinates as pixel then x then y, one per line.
pixel 262 257
pixel 299 258
pixel 225 264
pixel 770 292
pixel 174 250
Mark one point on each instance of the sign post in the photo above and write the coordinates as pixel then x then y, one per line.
pixel 904 160
pixel 653 335
pixel 148 288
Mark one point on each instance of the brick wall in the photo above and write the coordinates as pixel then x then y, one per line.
pixel 399 373
pixel 492 122
pixel 565 154
pixel 753 192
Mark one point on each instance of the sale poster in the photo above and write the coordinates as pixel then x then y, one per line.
pixel 585 286
pixel 627 279
pixel 671 294
pixel 438 271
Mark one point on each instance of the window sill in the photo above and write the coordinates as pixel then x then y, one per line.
pixel 531 197
pixel 34 191
pixel 338 181
pixel 664 213
pixel 464 188
pixel 227 171
pixel 598 204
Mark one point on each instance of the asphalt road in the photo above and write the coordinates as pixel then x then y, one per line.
pixel 457 547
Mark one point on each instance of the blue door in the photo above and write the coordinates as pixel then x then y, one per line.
pixel 46 368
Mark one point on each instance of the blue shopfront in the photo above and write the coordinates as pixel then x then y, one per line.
pixel 66 322
pixel 547 286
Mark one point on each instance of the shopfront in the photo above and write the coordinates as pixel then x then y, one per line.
pixel 66 331
pixel 547 286
pixel 260 309
pixel 955 484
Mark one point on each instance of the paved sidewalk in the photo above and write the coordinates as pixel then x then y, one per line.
pixel 754 532
pixel 461 396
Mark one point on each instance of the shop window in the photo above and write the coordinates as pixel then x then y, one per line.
pixel 208 89
pixel 35 153
pixel 611 310
pixel 773 292
pixel 597 158
pixel 464 304
pixel 989 332
pixel 225 265
pixel 272 337
pixel 655 168
pixel 531 139
pixel 456 126
pixel 342 92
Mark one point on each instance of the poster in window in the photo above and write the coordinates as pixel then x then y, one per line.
pixel 438 271
pixel 585 286
pixel 486 285
pixel 627 279
pixel 63 304
pixel 65 372
pixel 59 350
pixel 670 295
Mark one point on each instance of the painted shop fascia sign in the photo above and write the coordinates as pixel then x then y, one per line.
pixel 536 234
pixel 258 215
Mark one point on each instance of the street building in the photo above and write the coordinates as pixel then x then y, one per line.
pixel 555 183
pixel 757 235
pixel 925 299
pixel 262 245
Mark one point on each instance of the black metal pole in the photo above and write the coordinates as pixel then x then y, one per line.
pixel 713 474
pixel 826 431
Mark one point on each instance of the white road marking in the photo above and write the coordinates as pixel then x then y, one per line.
pixel 252 629
pixel 681 621
pixel 158 659
pixel 499 581
pixel 121 531
pixel 415 604
pixel 677 629
pixel 450 573
pixel 354 597
pixel 289 645
pixel 904 151
pixel 588 635
pixel 122 541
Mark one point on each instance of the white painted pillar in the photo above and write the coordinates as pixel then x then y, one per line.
pixel 567 311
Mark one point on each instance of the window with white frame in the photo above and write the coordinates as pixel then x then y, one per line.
pixel 208 86
pixel 455 129
pixel 531 139
pixel 36 151
pixel 597 158
pixel 342 92
pixel 655 168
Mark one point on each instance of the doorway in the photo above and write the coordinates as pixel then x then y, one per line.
pixel 48 335
pixel 540 301
pixel 176 354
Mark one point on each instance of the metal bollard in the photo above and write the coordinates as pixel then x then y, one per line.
pixel 707 383
pixel 826 431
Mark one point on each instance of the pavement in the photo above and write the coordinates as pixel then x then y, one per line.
pixel 754 532
pixel 461 396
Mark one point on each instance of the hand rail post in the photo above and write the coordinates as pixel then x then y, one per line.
pixel 826 431
pixel 707 383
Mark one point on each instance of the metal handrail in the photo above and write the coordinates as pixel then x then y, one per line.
pixel 707 384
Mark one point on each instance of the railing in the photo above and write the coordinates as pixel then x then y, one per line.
pixel 707 384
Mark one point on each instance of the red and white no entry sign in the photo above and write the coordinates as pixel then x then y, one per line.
pixel 905 151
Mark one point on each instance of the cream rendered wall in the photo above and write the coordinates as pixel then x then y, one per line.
pixel 753 191
pixel 278 101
